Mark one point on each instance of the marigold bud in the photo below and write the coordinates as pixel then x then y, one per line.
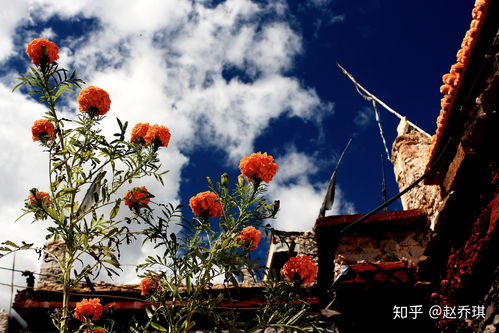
pixel 240 180
pixel 275 208
pixel 224 179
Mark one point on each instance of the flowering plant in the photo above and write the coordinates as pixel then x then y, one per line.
pixel 216 245
pixel 85 173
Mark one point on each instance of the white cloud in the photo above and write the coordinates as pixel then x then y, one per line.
pixel 337 18
pixel 22 166
pixel 11 15
pixel 320 3
pixel 364 117
pixel 163 62
pixel 300 198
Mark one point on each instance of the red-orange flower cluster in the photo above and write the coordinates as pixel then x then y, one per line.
pixel 88 308
pixel 302 267
pixel 147 284
pixel 42 51
pixel 138 197
pixel 205 204
pixel 250 237
pixel 159 135
pixel 258 166
pixel 94 101
pixel 139 131
pixel 43 129
pixel 452 80
pixel 143 133
pixel 42 197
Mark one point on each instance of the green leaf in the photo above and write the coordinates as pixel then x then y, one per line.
pixel 158 327
pixel 115 209
pixel 10 243
pixel 149 313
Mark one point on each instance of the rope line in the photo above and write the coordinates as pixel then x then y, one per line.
pixel 371 96
pixel 378 120
pixel 12 282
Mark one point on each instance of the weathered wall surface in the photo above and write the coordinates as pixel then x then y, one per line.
pixel 303 243
pixel 298 243
pixel 358 247
pixel 49 268
pixel 4 321
pixel 306 245
pixel 409 157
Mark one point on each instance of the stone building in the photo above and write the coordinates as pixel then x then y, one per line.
pixel 441 250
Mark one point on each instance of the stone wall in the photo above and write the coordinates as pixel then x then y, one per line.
pixel 287 243
pixel 409 158
pixel 306 245
pixel 303 243
pixel 49 269
pixel 388 246
pixel 4 321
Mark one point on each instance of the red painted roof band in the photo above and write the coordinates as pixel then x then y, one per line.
pixel 452 80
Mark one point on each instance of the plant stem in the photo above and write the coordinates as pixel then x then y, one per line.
pixel 64 323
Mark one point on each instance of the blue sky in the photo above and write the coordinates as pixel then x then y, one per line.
pixel 230 78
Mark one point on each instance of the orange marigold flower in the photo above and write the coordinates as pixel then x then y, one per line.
pixel 147 284
pixel 258 166
pixel 205 205
pixel 138 197
pixel 88 308
pixel 43 129
pixel 42 51
pixel 95 101
pixel 159 135
pixel 40 197
pixel 302 268
pixel 249 236
pixel 139 132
